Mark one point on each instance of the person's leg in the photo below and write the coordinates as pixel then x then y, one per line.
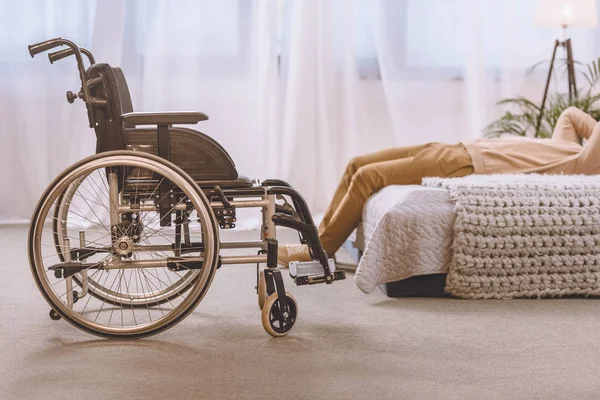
pixel 573 124
pixel 440 160
pixel 358 162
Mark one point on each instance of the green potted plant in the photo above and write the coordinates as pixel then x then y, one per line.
pixel 522 114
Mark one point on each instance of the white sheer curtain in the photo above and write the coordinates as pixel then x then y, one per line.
pixel 293 88
pixel 40 134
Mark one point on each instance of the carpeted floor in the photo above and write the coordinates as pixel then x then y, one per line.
pixel 346 345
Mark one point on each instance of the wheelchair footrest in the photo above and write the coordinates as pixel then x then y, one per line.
pixel 309 268
pixel 316 279
pixel 67 269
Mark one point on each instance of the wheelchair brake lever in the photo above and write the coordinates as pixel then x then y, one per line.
pixel 222 198
pixel 226 213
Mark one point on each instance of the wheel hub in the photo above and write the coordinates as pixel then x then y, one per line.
pixel 123 246
pixel 129 228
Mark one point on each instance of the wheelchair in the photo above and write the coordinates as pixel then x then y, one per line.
pixel 125 243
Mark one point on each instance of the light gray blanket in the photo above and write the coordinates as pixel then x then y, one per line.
pixel 524 235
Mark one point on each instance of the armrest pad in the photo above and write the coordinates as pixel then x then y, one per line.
pixel 164 118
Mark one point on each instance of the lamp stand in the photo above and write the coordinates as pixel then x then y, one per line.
pixel 570 72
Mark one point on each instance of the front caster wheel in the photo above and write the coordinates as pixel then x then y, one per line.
pixel 262 289
pixel 278 322
pixel 54 316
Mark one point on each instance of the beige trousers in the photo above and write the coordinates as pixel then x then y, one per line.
pixel 367 174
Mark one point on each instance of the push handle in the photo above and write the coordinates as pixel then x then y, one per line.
pixel 59 55
pixel 44 46
pixel 50 44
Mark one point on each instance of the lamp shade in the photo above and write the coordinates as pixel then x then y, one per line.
pixel 571 13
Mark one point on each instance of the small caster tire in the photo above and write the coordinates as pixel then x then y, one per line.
pixel 262 289
pixel 75 296
pixel 271 312
pixel 54 316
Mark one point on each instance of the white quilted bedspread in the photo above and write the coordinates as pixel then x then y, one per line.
pixel 406 231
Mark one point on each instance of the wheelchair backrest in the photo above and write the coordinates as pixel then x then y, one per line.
pixel 106 120
pixel 196 153
pixel 105 92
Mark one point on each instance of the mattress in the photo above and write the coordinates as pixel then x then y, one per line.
pixel 406 231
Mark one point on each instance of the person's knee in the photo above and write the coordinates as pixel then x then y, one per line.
pixel 367 180
pixel 569 111
pixel 353 165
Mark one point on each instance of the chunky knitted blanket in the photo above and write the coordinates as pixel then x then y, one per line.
pixel 524 235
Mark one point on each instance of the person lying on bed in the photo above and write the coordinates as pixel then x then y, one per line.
pixel 367 174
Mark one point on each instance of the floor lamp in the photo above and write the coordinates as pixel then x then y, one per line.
pixel 564 14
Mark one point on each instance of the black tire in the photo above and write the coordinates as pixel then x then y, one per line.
pixel 54 316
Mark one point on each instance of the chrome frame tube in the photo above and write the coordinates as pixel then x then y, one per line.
pixel 183 207
pixel 84 273
pixel 243 245
pixel 230 260
pixel 242 203
pixel 186 229
pixel 268 224
pixel 164 247
pixel 113 193
pixel 68 280
pixel 225 260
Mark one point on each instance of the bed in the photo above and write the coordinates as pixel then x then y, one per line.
pixel 494 236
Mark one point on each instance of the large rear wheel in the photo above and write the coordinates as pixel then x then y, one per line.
pixel 133 234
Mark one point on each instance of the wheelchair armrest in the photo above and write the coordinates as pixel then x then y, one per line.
pixel 163 118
